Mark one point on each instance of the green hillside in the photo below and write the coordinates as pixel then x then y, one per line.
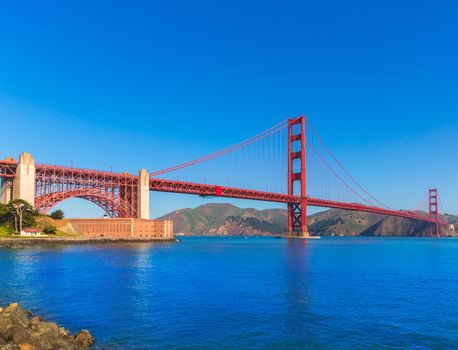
pixel 227 219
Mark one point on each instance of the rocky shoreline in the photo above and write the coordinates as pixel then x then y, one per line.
pixel 32 241
pixel 20 330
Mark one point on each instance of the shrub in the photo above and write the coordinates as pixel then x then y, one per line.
pixel 57 215
pixel 50 230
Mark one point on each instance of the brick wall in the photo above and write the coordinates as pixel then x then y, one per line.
pixel 123 228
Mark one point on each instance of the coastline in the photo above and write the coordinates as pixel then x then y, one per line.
pixel 31 241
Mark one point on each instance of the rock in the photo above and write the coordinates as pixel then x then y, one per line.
pixel 45 336
pixel 9 347
pixel 35 321
pixel 85 338
pixel 63 332
pixel 21 317
pixel 11 307
pixel 6 324
pixel 20 331
pixel 20 334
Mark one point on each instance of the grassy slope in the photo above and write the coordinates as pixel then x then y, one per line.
pixel 42 222
pixel 5 231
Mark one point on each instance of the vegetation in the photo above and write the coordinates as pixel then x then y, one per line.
pixel 257 224
pixel 50 230
pixel 5 230
pixel 212 217
pixel 4 214
pixel 321 226
pixel 57 215
pixel 16 215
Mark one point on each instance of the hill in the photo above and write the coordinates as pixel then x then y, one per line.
pixel 227 219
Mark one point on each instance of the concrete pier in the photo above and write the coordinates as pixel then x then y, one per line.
pixel 24 182
pixel 143 195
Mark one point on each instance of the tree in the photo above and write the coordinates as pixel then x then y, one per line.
pixel 5 215
pixel 23 213
pixel 57 215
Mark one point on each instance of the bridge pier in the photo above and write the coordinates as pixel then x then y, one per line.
pixel 143 195
pixel 24 181
pixel 297 219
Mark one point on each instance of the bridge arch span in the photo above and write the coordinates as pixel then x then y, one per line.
pixel 115 207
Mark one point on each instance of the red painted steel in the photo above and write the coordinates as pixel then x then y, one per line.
pixel 227 150
pixel 290 176
pixel 370 209
pixel 7 169
pixel 161 185
pixel 115 193
pixel 433 203
pixel 297 211
pixel 113 206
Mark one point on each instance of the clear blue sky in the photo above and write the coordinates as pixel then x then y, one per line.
pixel 133 84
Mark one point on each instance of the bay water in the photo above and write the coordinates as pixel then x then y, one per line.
pixel 244 293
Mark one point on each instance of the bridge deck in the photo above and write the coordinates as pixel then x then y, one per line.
pixel 7 169
pixel 230 192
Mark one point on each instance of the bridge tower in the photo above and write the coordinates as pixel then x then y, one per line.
pixel 434 228
pixel 143 195
pixel 297 157
pixel 24 181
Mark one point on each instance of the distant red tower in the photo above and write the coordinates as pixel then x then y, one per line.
pixel 297 212
pixel 434 228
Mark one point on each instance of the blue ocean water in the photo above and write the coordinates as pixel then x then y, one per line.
pixel 236 293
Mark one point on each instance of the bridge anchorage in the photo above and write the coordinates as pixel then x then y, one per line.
pixel 288 163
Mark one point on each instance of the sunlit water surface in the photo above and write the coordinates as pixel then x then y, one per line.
pixel 236 293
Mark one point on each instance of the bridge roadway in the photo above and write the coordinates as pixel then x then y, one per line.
pixel 160 185
pixel 7 170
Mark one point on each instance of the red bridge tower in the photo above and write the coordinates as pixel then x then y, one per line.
pixel 297 174
pixel 434 228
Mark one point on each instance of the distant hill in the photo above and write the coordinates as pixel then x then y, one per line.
pixel 227 219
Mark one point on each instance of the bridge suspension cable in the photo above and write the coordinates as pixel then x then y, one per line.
pixel 224 151
pixel 287 163
pixel 261 163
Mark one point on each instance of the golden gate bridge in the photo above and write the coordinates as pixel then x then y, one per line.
pixel 287 163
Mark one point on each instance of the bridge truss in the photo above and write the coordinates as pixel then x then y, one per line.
pixel 288 163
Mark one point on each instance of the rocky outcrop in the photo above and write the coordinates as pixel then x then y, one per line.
pixel 20 330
